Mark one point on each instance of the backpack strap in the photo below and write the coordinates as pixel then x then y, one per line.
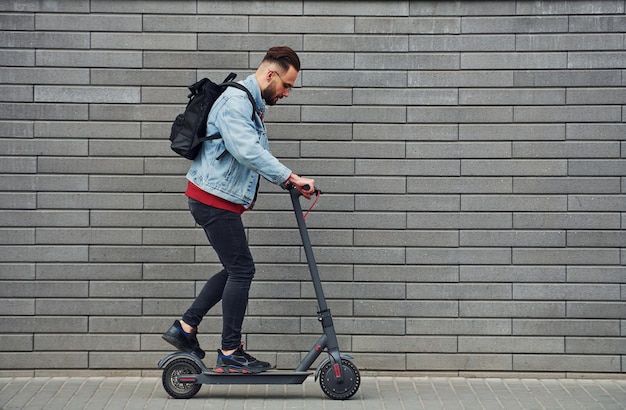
pixel 250 97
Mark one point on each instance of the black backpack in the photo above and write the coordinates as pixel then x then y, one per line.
pixel 189 128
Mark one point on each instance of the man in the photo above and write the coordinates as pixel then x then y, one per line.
pixel 222 184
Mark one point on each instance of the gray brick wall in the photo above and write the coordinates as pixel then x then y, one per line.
pixel 472 156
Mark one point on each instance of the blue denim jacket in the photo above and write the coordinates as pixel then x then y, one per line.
pixel 229 167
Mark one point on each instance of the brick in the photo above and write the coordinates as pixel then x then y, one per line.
pixel 595 131
pixel 405 308
pixel 370 96
pixel 15 21
pixel 359 326
pixel 75 6
pixel 16 93
pixel 596 96
pixel 91 58
pixel 44 324
pixel 361 149
pixel 596 309
pixel 468 362
pixel 500 203
pixel 566 185
pixel 56 342
pixel 361 255
pixel 136 183
pixel 407 167
pixel 408 273
pixel 90 165
pixel 567 78
pixel 14 236
pixel 515 24
pixel 565 292
pixel 514 167
pixel 440 326
pixel 515 274
pixel 105 254
pixel 245 41
pixel 405 344
pixel 17 307
pixel 508 344
pixel 458 291
pixel 76 306
pixel 599 167
pixel 462 42
pixel 512 96
pixel 570 363
pixel 512 238
pixel 604 239
pixel 565 327
pixel 14 200
pixel 597 203
pixel 429 79
pixel 461 185
pixel 41 289
pixel 469 256
pixel 405 238
pixel 17 58
pixel 511 309
pixel 88 271
pixel 41 39
pixel 145 7
pixel 574 256
pixel 42 360
pixel 459 220
pixel 296 24
pixel 403 25
pixel 43 254
pixel 407 61
pixel 484 8
pixel 77 129
pixel 597 24
pixel 562 220
pixel 77 236
pixel 286 7
pixel 354 78
pixel 17 271
pixel 566 114
pixel 44 218
pixel 513 61
pixel 406 132
pixel 601 274
pixel 16 129
pixel 458 150
pixel 533 132
pixel 591 345
pixel 43 111
pixel 565 149
pixel 195 59
pixel 407 203
pixel 136 77
pixel 363 291
pixel 19 343
pixel 459 114
pixel 568 42
pixel 18 165
pixel 565 7
pixel 36 75
pixel 345 7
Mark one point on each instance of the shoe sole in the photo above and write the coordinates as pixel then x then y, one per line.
pixel 233 370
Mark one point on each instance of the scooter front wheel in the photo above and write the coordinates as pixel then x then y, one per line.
pixel 347 388
pixel 171 382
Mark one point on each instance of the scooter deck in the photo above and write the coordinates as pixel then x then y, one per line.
pixel 268 377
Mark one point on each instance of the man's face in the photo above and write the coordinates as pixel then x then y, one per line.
pixel 279 86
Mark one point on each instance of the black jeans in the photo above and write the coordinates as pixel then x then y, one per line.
pixel 226 234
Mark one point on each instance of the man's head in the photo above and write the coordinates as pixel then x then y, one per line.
pixel 277 73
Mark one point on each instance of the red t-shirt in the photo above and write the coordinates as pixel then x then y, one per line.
pixel 199 195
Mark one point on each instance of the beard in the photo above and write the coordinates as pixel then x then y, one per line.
pixel 270 96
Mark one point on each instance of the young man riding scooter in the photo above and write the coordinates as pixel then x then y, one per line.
pixel 223 182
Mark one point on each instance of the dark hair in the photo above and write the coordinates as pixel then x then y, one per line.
pixel 283 56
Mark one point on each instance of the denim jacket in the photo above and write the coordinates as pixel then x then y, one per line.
pixel 229 167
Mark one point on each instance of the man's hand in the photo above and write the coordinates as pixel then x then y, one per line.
pixel 300 183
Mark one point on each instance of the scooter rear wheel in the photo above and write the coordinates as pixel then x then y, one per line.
pixel 347 388
pixel 175 388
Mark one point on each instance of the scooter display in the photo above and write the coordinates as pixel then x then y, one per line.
pixel 184 373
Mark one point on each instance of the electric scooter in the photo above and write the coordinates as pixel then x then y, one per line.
pixel 184 373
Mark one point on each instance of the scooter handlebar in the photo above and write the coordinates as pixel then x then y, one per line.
pixel 291 187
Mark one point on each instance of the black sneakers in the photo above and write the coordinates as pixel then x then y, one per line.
pixel 186 342
pixel 239 362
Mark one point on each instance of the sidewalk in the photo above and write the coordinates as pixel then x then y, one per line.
pixel 375 393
